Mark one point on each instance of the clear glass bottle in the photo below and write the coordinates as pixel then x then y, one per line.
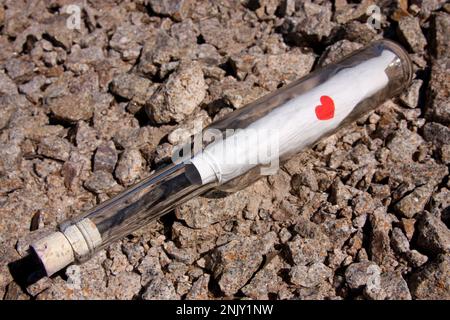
pixel 300 114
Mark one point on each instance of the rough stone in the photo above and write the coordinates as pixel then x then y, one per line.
pixel 414 202
pixel 32 88
pixel 306 251
pixel 132 87
pixel 72 108
pixel 202 212
pixel 129 167
pixel 436 133
pixel 150 267
pixel 432 282
pixel 266 281
pixel 14 292
pixel 176 9
pixel 86 137
pixel 58 32
pixel 438 107
pixel 8 254
pixel 202 239
pixel 433 234
pixel 410 98
pixel 235 262
pixel 380 249
pixel 55 148
pixel 410 31
pixel 187 255
pixel 310 276
pixel 441 46
pixel 337 51
pixel 400 242
pixel 315 25
pixel 183 132
pixel 243 95
pixel 105 157
pixel 394 286
pixel 20 70
pixel 7 86
pixel 160 288
pixel 178 97
pixel 403 144
pixel 280 69
pixel 358 275
pixel 199 290
pixel 361 32
pixel 100 182
pixel 10 158
pixel 125 285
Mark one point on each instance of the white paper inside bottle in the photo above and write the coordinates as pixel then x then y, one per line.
pixel 294 124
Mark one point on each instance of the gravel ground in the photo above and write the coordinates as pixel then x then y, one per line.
pixel 86 112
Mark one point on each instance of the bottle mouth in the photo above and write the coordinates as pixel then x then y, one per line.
pixel 406 64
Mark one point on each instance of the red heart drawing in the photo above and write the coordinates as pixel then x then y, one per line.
pixel 325 110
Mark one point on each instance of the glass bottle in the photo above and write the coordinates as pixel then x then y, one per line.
pixel 283 122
